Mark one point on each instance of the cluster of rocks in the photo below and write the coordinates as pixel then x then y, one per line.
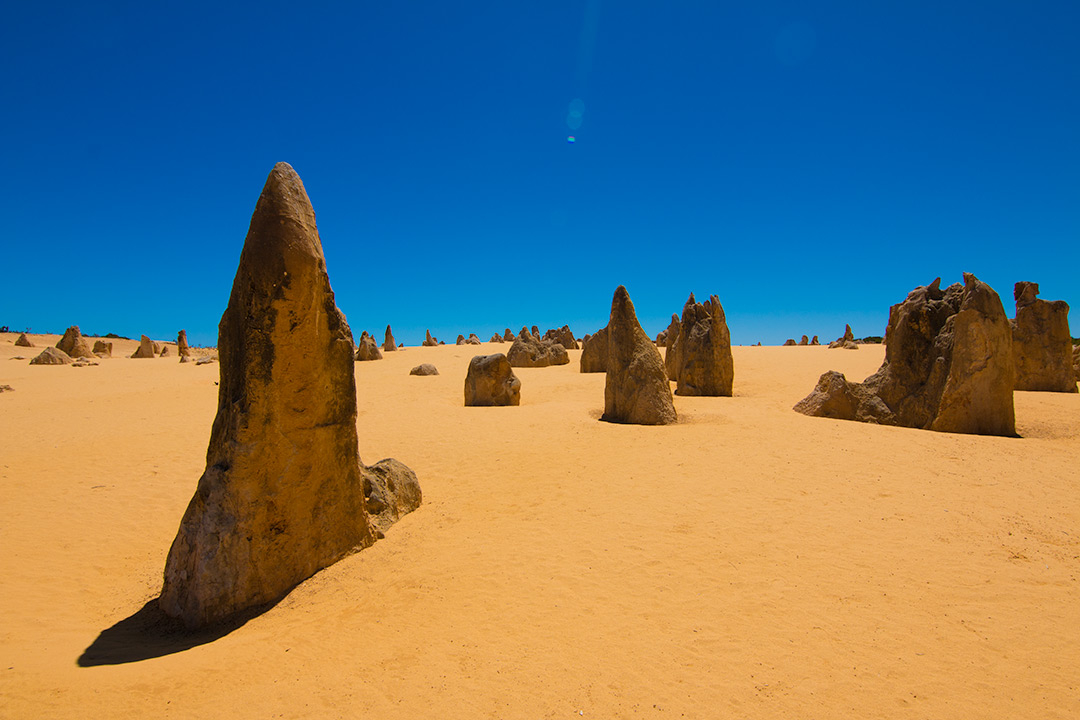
pixel 1042 348
pixel 284 492
pixel 846 341
pixel 471 340
pixel 699 357
pixel 531 351
pixel 948 367
pixel 803 341
pixel 430 341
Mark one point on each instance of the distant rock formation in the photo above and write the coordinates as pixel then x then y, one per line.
pixel 367 350
pixel 490 381
pixel 637 390
pixel 705 365
pixel 1042 346
pixel 182 348
pixel 52 356
pixel 948 367
pixel 508 336
pixel 424 369
pixel 496 338
pixel 74 344
pixel 804 340
pixel 388 344
pixel 428 340
pixel 531 352
pixel 536 332
pixel 23 341
pixel 283 494
pixel 460 339
pixel 847 342
pixel 594 352
pixel 814 341
pixel 563 336
pixel 102 348
pixel 471 340
pixel 164 351
pixel 145 349
pixel 671 339
pixel 790 342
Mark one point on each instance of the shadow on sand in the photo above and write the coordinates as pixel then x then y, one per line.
pixel 150 633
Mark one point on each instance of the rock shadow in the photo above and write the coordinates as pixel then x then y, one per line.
pixel 150 633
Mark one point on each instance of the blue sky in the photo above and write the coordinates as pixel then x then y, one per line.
pixel 808 162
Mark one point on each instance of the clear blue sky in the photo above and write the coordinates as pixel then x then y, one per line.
pixel 808 162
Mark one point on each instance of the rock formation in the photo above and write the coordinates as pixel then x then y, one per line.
pixel 637 390
pixel 102 348
pixel 424 369
pixel 536 332
pixel 814 341
pixel 705 365
pixel 594 352
pixel 52 356
pixel 23 341
pixel 790 342
pixel 948 367
pixel 671 355
pixel 1076 362
pixel 1042 347
pixel 164 351
pixel 496 338
pixel 563 336
pixel 145 349
pixel 74 344
pixel 491 381
pixel 283 493
pixel 390 491
pixel 182 348
pixel 529 351
pixel 508 336
pixel 847 342
pixel 804 340
pixel 428 340
pixel 388 344
pixel 460 339
pixel 367 350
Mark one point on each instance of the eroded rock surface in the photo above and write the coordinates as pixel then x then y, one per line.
pixel 531 352
pixel 74 344
pixel 367 350
pixel 705 365
pixel 490 381
pixel 1042 347
pixel 594 352
pixel 637 390
pixel 52 356
pixel 23 341
pixel 145 349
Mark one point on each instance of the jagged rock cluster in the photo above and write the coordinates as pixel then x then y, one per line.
pixel 529 351
pixel 490 381
pixel 284 493
pixel 1042 347
pixel 699 359
pixel 948 367
pixel 845 342
pixel 562 336
pixel 429 341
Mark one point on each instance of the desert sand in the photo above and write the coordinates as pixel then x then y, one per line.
pixel 747 561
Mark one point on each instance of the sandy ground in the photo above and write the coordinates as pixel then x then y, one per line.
pixel 747 562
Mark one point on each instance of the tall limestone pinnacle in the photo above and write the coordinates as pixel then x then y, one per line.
pixel 637 390
pixel 283 493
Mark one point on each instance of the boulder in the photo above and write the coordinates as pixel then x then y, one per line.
pixel 705 365
pixel 424 369
pixel 594 352
pixel 491 381
pixel 637 390
pixel 145 349
pixel 388 344
pixel 23 341
pixel 391 490
pixel 563 336
pixel 283 493
pixel 206 360
pixel 74 344
pixel 529 351
pixel 948 367
pixel 102 348
pixel 671 356
pixel 428 340
pixel 182 348
pixel 790 342
pixel 52 356
pixel 1042 346
pixel 460 339
pixel 164 351
pixel 814 341
pixel 367 350
pixel 804 340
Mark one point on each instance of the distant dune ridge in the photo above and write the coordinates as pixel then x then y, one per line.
pixel 283 494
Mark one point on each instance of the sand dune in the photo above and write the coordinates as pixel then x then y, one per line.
pixel 746 562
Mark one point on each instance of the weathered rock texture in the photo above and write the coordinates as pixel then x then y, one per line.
pixel 428 340
pixel 948 367
pixel 814 341
pixel 804 340
pixel 52 356
pixel 496 338
pixel 182 348
pixel 390 491
pixel 283 493
pixel 594 352
pixel 23 341
pixel 1042 347
pixel 145 349
pixel 102 348
pixel 367 350
pixel 563 336
pixel 508 336
pixel 790 342
pixel 705 365
pixel 491 381
pixel 74 344
pixel 424 369
pixel 671 355
pixel 847 342
pixel 637 390
pixel 164 351
pixel 530 351
pixel 388 344
pixel 1076 362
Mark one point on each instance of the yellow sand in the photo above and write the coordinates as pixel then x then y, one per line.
pixel 747 562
